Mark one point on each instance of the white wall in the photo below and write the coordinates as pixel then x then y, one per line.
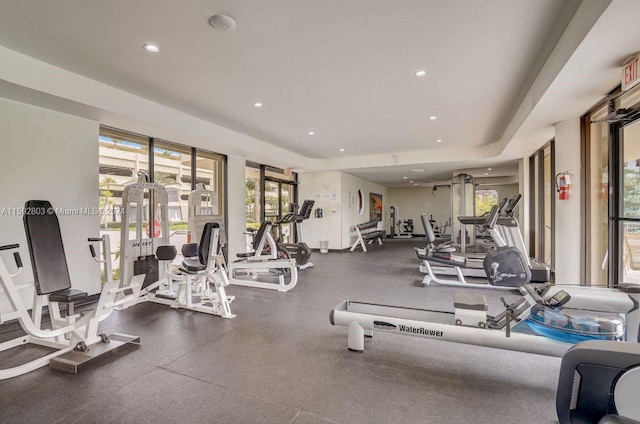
pixel 51 156
pixel 568 215
pixel 336 194
pixel 324 189
pixel 413 202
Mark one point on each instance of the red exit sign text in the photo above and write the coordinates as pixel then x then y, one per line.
pixel 630 73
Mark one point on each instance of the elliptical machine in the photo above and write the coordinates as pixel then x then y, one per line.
pixel 299 251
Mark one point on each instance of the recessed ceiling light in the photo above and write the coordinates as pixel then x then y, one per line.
pixel 488 169
pixel 421 73
pixel 311 133
pixel 486 173
pixel 342 150
pixel 416 184
pixel 404 178
pixel 433 118
pixel 411 182
pixel 151 48
pixel 438 141
pixel 257 104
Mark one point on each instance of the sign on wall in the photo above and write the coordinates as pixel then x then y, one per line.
pixel 630 75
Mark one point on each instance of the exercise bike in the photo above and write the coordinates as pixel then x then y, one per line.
pixel 299 251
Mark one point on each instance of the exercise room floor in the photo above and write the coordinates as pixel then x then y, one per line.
pixel 281 361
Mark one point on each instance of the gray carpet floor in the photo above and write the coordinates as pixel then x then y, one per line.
pixel 281 361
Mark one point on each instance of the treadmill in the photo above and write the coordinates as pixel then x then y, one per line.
pixel 509 229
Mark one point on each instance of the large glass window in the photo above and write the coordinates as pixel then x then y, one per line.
pixel 178 168
pixel 210 172
pixel 630 199
pixel 485 200
pixel 542 204
pixel 253 198
pixel 598 195
pixel 172 170
pixel 121 156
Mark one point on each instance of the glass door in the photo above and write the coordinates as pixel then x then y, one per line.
pixel 278 197
pixel 542 205
pixel 597 193
pixel 629 205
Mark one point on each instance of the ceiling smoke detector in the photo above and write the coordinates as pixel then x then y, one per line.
pixel 222 22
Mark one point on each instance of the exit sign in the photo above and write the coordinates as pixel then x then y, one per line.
pixel 630 75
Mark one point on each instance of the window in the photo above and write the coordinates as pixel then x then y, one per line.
pixel 209 170
pixel 178 168
pixel 252 196
pixel 485 200
pixel 121 156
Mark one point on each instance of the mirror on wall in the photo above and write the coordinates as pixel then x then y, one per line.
pixel 360 201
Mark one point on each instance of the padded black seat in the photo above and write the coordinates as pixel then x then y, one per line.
pixel 67 296
pixel 193 265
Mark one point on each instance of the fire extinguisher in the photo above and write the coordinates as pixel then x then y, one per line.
pixel 563 183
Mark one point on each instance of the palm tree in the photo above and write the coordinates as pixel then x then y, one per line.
pixel 105 201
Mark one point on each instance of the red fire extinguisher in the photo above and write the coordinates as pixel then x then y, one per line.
pixel 563 184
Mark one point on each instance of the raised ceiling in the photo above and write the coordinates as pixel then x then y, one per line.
pixel 342 69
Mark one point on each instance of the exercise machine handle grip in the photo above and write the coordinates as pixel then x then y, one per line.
pixel 93 250
pixel 92 239
pixel 10 247
pixel 18 259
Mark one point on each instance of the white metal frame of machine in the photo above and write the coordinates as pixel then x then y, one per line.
pixel 74 338
pixel 203 208
pixel 364 318
pixel 198 284
pixel 138 199
pixel 200 288
pixel 257 264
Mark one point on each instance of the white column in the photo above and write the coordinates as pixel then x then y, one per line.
pixel 236 174
pixel 568 214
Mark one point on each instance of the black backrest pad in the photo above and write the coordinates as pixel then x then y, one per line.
pixel 205 242
pixel 48 260
pixel 428 229
pixel 259 235
pixel 305 209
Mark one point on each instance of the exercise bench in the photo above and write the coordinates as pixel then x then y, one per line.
pixel 367 233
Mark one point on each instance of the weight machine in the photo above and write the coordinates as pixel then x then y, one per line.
pixel 202 277
pixel 260 266
pixel 399 228
pixel 74 338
